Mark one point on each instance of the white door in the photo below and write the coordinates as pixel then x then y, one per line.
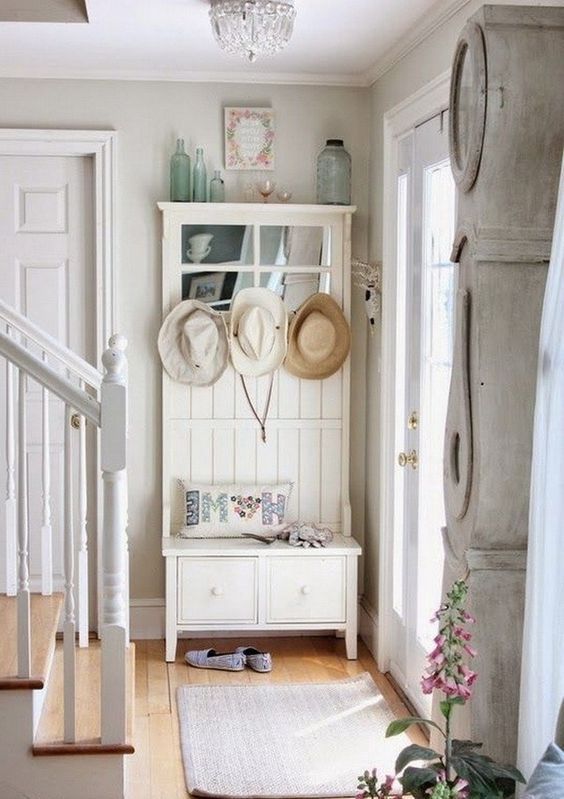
pixel 425 330
pixel 47 273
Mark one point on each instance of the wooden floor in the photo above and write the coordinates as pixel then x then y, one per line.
pixel 49 735
pixel 44 615
pixel 155 770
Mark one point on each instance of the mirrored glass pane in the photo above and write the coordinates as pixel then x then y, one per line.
pixel 217 244
pixel 214 288
pixel 295 287
pixel 295 246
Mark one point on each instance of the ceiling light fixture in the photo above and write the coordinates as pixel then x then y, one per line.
pixel 250 28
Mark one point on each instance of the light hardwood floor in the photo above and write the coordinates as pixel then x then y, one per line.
pixel 155 770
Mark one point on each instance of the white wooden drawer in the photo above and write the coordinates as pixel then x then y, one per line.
pixel 306 589
pixel 217 589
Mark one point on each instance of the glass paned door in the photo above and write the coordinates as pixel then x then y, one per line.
pixel 424 338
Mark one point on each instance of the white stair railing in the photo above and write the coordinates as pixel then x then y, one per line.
pixel 102 401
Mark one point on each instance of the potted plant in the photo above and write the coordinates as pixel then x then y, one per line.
pixel 460 770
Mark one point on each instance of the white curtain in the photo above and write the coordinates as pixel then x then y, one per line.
pixel 542 679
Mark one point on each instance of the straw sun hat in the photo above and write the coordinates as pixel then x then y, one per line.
pixel 193 343
pixel 319 339
pixel 258 331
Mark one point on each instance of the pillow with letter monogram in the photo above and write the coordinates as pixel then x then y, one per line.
pixel 227 511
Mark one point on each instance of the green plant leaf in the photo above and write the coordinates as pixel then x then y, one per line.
pixel 505 772
pixel 476 771
pixel 401 725
pixel 462 747
pixel 415 752
pixel 415 781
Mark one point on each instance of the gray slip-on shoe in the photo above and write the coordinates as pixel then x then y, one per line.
pixel 210 659
pixel 258 661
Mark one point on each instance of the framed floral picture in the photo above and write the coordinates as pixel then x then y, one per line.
pixel 249 138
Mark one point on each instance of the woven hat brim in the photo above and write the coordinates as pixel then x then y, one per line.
pixel 173 360
pixel 295 362
pixel 265 298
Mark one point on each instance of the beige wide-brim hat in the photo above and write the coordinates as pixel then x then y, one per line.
pixel 193 343
pixel 258 332
pixel 319 339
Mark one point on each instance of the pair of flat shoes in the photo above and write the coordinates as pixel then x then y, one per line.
pixel 230 661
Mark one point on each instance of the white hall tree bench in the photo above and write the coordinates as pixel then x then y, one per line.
pixel 211 437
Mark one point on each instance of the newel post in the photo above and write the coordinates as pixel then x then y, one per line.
pixel 115 602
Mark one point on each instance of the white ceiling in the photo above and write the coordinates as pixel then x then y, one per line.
pixel 334 41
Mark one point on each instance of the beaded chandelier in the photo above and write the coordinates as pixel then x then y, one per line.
pixel 250 28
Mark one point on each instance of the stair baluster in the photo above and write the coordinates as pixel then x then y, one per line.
pixel 11 502
pixel 83 613
pixel 46 528
pixel 69 654
pixel 23 600
pixel 114 603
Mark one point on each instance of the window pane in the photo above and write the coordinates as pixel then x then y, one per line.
pixel 438 287
pixel 399 543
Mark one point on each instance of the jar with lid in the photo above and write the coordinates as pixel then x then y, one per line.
pixel 334 174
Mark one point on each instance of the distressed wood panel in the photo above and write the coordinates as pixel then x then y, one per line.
pixel 289 466
pixel 245 456
pixel 223 456
pixel 331 477
pixel 309 486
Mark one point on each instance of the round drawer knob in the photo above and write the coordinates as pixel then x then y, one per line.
pixel 306 589
pixel 217 590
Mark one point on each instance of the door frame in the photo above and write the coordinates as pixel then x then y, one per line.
pixel 398 121
pixel 101 145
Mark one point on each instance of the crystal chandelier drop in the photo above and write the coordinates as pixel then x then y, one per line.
pixel 250 28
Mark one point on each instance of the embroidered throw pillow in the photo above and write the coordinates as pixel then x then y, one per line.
pixel 227 511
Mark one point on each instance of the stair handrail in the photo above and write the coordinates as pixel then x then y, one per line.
pixel 48 344
pixel 48 377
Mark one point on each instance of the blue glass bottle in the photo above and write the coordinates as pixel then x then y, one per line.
pixel 334 174
pixel 180 175
pixel 200 178
pixel 217 188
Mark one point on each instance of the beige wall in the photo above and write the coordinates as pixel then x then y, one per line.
pixel 148 116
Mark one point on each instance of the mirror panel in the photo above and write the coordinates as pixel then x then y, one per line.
pixel 295 287
pixel 217 244
pixel 295 246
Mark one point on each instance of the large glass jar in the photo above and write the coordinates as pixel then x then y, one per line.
pixel 334 174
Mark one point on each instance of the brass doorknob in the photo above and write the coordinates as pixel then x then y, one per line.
pixel 408 459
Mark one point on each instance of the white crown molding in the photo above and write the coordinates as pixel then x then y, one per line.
pixel 440 13
pixel 275 78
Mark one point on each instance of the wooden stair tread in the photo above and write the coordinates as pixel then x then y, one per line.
pixel 49 737
pixel 45 612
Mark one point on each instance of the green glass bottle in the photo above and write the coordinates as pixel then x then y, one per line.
pixel 200 178
pixel 180 189
pixel 217 188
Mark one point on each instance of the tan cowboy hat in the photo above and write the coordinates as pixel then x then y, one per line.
pixel 258 331
pixel 319 339
pixel 193 343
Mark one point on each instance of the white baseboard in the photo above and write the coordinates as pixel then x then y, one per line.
pixel 147 618
pixel 147 621
pixel 368 627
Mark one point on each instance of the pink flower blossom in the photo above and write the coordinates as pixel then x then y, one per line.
pixel 446 670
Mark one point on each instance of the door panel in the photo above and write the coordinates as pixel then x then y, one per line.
pixel 47 273
pixel 424 333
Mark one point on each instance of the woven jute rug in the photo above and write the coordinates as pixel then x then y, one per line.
pixel 279 741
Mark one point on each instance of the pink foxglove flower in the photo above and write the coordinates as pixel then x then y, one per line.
pixel 447 672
